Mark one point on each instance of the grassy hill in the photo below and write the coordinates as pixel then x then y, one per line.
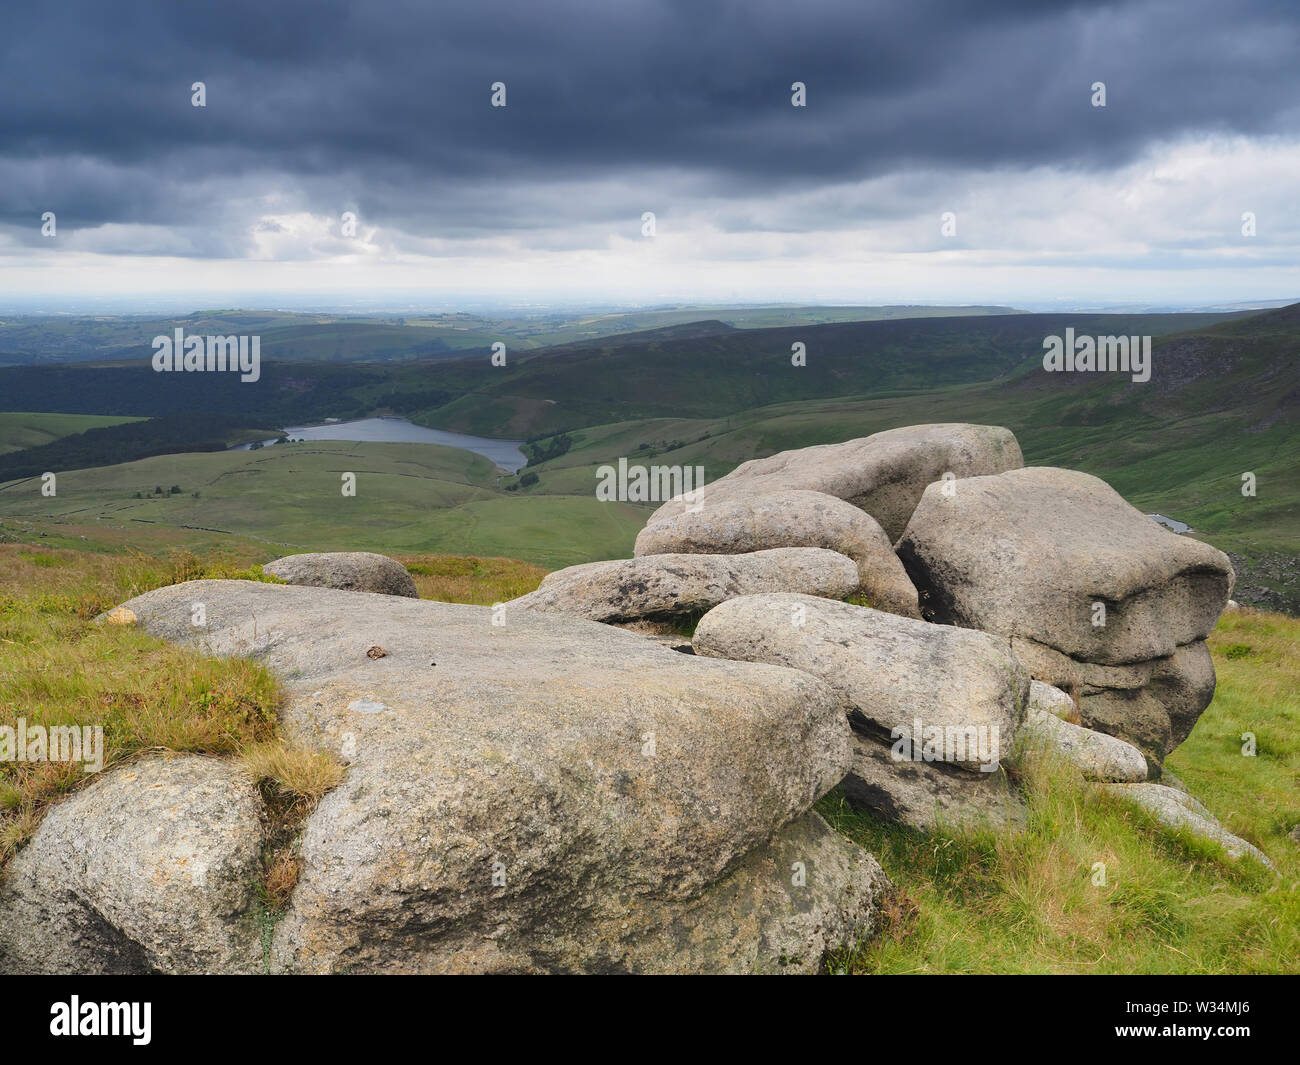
pixel 20 430
pixel 702 369
pixel 620 378
pixel 409 498
pixel 130 439
pixel 307 337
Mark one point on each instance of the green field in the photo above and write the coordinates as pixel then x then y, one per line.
pixel 409 498
pixel 419 497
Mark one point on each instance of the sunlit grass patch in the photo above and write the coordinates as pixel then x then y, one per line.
pixel 469 579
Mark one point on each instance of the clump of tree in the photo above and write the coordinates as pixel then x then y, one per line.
pixel 527 480
pixel 542 451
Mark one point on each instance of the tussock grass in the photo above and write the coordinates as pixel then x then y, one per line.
pixel 1257 659
pixel 1171 903
pixel 470 579
pixel 304 775
pixel 292 781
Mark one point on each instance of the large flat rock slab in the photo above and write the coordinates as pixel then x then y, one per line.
pixel 1179 810
pixel 894 676
pixel 550 794
pixel 662 588
pixel 779 912
pixel 883 474
pixel 790 519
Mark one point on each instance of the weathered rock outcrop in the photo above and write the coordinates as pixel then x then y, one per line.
pixel 790 519
pixel 1151 704
pixel 351 571
pixel 1031 553
pixel 547 795
pixel 883 474
pixel 667 587
pixel 784 907
pixel 1094 593
pixel 916 694
pixel 148 869
pixel 887 671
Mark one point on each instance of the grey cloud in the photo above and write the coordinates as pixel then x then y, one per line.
pixel 384 107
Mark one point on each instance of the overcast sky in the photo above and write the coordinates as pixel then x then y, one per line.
pixel 619 107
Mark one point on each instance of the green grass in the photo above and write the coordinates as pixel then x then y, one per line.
pixel 410 498
pixel 1257 797
pixel 470 579
pixel 980 901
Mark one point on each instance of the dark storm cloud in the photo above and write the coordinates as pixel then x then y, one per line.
pixel 384 107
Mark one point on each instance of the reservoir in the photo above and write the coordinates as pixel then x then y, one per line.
pixel 1170 523
pixel 504 453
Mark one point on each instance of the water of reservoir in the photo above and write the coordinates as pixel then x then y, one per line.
pixel 504 453
pixel 1170 523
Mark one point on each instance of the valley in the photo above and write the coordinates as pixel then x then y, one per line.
pixel 1222 402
